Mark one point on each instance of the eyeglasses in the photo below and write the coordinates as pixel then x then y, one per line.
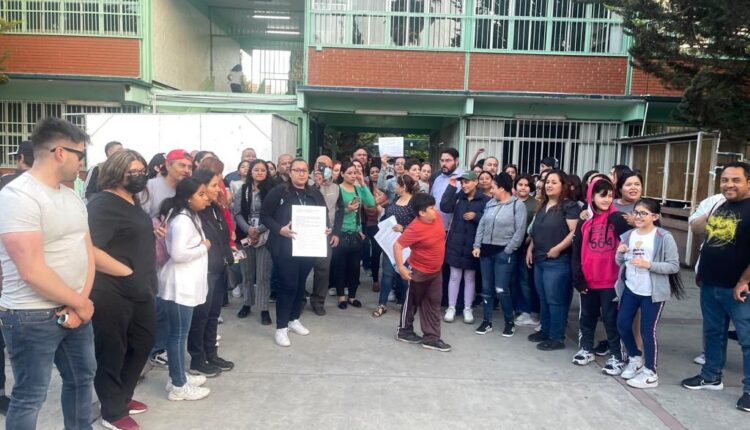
pixel 299 171
pixel 641 214
pixel 131 173
pixel 80 154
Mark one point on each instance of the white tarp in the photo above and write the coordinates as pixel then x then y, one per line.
pixel 224 134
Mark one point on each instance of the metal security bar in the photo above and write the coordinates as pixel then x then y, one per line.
pixel 547 26
pixel 579 146
pixel 75 17
pixel 497 25
pixel 17 120
pixel 432 24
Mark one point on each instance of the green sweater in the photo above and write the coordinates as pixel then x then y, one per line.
pixel 351 220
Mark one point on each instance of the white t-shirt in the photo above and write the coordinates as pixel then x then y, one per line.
pixel 157 190
pixel 636 278
pixel 59 213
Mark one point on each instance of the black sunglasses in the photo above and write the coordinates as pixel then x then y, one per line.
pixel 80 154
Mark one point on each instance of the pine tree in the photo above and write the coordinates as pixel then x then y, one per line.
pixel 701 47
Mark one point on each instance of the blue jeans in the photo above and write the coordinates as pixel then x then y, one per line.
pixel 552 278
pixel 496 273
pixel 35 341
pixel 179 318
pixel 387 282
pixel 718 307
pixel 162 328
pixel 650 313
pixel 520 289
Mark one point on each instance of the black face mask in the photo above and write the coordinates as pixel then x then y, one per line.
pixel 136 184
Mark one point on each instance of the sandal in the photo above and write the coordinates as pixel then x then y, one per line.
pixel 356 303
pixel 379 311
pixel 342 304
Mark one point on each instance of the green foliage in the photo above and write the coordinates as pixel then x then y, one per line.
pixel 701 47
pixel 5 25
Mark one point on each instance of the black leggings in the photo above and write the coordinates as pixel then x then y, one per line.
pixel 290 292
pixel 345 269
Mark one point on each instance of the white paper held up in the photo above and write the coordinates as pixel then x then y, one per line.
pixel 309 224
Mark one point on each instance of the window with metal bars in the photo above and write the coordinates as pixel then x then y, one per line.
pixel 498 25
pixel 579 146
pixel 86 17
pixel 17 120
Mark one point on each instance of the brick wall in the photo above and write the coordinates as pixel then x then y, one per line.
pixel 643 83
pixel 380 68
pixel 547 73
pixel 72 55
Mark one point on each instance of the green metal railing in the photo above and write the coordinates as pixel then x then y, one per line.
pixel 533 26
pixel 119 18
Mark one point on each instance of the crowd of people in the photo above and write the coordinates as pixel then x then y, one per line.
pixel 140 272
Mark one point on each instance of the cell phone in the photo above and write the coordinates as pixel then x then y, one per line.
pixel 245 241
pixel 321 167
pixel 239 255
pixel 62 319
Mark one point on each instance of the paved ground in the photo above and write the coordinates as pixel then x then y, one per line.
pixel 351 373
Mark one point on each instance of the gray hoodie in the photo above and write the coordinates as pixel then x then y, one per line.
pixel 503 224
pixel 666 262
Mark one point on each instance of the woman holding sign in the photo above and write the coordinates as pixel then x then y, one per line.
pixel 276 215
pixel 346 257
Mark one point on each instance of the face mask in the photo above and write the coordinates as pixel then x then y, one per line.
pixel 327 173
pixel 136 184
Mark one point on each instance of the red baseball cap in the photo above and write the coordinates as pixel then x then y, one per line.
pixel 179 154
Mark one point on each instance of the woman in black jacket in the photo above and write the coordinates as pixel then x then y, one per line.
pixel 277 215
pixel 467 207
pixel 201 345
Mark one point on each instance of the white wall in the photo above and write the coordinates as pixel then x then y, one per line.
pixel 180 49
pixel 226 54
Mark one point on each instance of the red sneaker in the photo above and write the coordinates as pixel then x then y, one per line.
pixel 135 407
pixel 124 423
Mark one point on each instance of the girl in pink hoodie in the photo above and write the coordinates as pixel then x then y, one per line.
pixel 595 272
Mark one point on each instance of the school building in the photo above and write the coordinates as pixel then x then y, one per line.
pixel 522 78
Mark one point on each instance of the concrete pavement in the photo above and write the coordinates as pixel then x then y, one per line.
pixel 351 373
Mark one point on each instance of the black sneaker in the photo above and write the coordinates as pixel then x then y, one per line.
pixel 509 330
pixel 484 328
pixel 743 403
pixel 409 337
pixel 206 369
pixel 244 312
pixel 265 318
pixel 538 336
pixel 222 364
pixel 698 383
pixel 550 345
pixel 602 348
pixel 437 345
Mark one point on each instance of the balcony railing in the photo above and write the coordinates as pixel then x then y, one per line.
pixel 120 18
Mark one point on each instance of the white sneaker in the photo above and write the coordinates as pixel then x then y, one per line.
pixel 646 379
pixel 468 316
pixel 634 367
pixel 331 291
pixel 188 392
pixel 297 327
pixel 282 337
pixel 218 337
pixel 701 359
pixel 613 366
pixel 450 314
pixel 525 320
pixel 583 357
pixel 194 380
pixel 237 292
pixel 538 328
pixel 392 296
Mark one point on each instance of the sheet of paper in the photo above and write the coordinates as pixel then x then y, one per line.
pixel 309 224
pixel 393 146
pixel 386 237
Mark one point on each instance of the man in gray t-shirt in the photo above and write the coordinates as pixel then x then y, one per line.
pixel 178 163
pixel 48 264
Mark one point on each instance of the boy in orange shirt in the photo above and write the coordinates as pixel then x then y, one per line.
pixel 426 238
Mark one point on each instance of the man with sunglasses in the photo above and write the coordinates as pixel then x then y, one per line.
pixel 48 266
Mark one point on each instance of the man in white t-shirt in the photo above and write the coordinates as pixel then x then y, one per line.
pixel 48 266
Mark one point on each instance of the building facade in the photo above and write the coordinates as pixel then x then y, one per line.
pixel 523 79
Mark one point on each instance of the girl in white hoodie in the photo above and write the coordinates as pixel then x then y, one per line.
pixel 183 280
